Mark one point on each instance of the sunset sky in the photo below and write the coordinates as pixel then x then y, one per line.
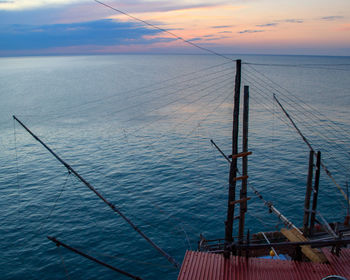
pixel 40 27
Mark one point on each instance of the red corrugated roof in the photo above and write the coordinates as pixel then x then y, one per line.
pixel 201 265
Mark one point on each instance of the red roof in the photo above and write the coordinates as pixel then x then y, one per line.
pixel 201 265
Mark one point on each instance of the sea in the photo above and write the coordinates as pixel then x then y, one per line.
pixel 139 128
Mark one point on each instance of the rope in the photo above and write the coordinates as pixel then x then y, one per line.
pixel 178 109
pixel 137 90
pixel 172 93
pixel 54 205
pixel 306 66
pixel 179 124
pixel 332 177
pixel 250 213
pixel 322 136
pixel 175 218
pixel 126 96
pixel 288 96
pixel 292 103
pixel 166 31
pixel 63 263
pixel 153 203
pixel 303 121
pixel 111 115
pixel 192 131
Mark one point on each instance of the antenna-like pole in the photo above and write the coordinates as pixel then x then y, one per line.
pixel 112 206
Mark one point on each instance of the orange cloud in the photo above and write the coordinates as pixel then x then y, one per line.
pixel 191 22
pixel 344 27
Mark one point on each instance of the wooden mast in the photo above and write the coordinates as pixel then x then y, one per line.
pixel 243 193
pixel 233 166
pixel 315 195
pixel 308 195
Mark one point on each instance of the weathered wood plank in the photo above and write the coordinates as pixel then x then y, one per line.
pixel 240 200
pixel 241 178
pixel 313 254
pixel 243 154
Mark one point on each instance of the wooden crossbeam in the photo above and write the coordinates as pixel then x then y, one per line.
pixel 240 200
pixel 243 154
pixel 241 178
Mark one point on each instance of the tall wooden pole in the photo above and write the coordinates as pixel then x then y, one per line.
pixel 308 194
pixel 316 185
pixel 233 166
pixel 243 194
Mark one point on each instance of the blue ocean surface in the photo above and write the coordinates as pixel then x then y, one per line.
pixel 138 128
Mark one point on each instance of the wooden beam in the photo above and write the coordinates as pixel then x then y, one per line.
pixel 240 200
pixel 243 154
pixel 241 178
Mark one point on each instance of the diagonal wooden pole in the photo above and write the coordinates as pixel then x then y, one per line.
pixel 112 206
pixel 59 243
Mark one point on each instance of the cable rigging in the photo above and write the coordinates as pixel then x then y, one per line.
pixel 179 124
pixel 148 90
pixel 306 66
pixel 171 93
pixel 166 31
pixel 260 102
pixel 195 112
pixel 302 121
pixel 148 87
pixel 321 135
pixel 329 144
pixel 311 148
pixel 112 206
pixel 323 165
pixel 287 94
pixel 193 130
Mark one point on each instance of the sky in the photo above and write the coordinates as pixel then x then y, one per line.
pixel 301 27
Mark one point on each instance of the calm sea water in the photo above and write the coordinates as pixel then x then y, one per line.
pixel 138 128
